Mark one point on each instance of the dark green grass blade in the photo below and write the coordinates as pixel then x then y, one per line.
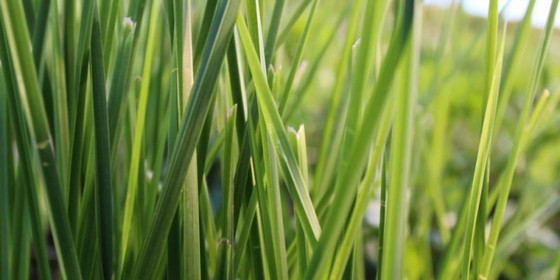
pixel 103 191
pixel 4 171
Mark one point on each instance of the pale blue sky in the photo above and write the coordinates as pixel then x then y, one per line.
pixel 513 12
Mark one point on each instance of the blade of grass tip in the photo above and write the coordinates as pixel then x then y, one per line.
pixel 103 191
pixel 401 158
pixel 371 28
pixel 296 186
pixel 4 143
pixel 34 111
pixel 347 185
pixel 191 130
pixel 519 141
pixel 482 160
pixel 132 185
pixel 541 114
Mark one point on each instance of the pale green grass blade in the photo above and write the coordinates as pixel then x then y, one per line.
pixel 132 186
pixel 401 158
pixel 519 141
pixel 483 154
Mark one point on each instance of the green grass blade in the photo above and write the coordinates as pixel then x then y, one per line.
pixel 483 155
pixel 104 191
pixel 401 158
pixel 286 93
pixel 350 177
pixel 297 187
pixel 35 115
pixel 132 186
pixel 120 78
pixel 519 141
pixel 4 173
pixel 191 129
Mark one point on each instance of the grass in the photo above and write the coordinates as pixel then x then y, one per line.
pixel 156 139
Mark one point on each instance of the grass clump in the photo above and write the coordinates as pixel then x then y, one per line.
pixel 154 139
